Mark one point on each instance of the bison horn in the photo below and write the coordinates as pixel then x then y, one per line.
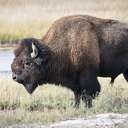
pixel 34 51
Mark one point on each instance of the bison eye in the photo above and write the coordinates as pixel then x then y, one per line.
pixel 27 63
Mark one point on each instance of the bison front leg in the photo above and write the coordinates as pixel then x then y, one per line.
pixel 87 99
pixel 77 99
pixel 90 87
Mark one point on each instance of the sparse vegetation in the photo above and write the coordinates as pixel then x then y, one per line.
pixel 32 18
pixel 51 103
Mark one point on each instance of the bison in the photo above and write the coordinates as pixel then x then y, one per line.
pixel 74 52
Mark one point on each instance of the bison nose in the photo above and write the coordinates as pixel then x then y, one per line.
pixel 14 76
pixel 17 78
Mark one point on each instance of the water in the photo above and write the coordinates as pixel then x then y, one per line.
pixel 6 57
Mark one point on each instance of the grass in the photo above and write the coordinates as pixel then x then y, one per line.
pixel 31 18
pixel 50 103
pixel 18 31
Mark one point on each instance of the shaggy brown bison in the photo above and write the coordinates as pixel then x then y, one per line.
pixel 74 51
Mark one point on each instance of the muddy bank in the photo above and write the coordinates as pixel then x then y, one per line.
pixel 109 120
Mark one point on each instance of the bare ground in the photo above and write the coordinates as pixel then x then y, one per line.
pixel 108 120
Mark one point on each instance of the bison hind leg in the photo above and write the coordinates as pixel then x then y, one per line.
pixel 125 74
pixel 113 79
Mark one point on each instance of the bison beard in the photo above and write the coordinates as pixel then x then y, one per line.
pixel 74 51
pixel 30 87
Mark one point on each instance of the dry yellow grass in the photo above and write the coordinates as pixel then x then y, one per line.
pixel 51 103
pixel 32 18
pixel 23 18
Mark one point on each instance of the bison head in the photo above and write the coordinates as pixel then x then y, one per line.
pixel 30 63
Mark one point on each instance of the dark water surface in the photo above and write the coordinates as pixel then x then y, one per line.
pixel 6 57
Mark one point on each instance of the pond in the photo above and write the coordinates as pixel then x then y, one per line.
pixel 6 57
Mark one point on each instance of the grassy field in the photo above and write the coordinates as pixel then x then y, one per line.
pixel 32 18
pixel 51 103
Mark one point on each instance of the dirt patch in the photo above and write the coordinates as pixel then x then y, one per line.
pixel 99 121
pixel 108 120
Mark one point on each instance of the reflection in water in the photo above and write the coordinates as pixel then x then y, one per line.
pixel 6 57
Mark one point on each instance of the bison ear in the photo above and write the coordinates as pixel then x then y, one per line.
pixel 34 53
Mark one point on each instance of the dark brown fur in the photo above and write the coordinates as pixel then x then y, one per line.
pixel 74 51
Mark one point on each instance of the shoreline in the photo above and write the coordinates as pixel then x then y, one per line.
pixel 6 48
pixel 8 45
